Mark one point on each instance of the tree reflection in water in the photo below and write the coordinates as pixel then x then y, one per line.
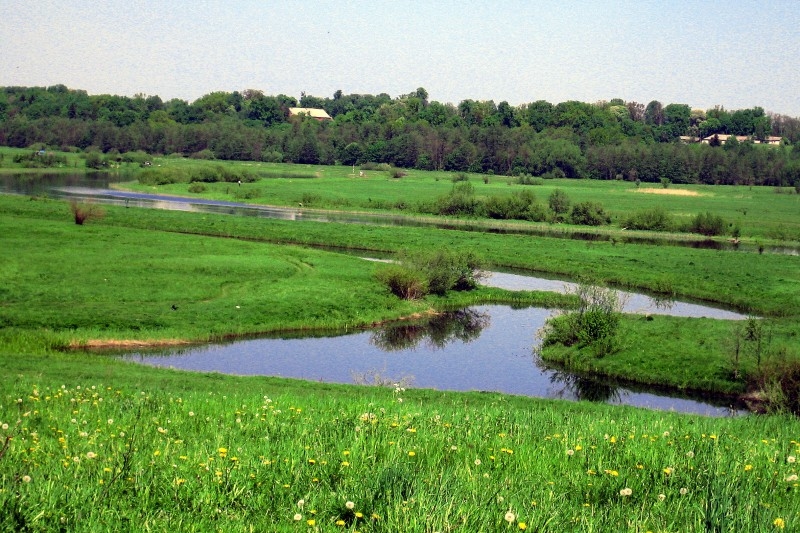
pixel 463 325
pixel 583 388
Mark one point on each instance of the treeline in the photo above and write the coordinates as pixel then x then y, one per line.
pixel 604 140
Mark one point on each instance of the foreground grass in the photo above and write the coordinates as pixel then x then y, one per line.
pixel 93 443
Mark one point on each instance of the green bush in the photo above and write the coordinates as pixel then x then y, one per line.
pixel 203 154
pixel 559 204
pixel 655 219
pixel 403 281
pixel 707 224
pixel 437 272
pixel 163 176
pixel 460 201
pixel 594 325
pixel 589 214
pixel 460 176
pixel 197 188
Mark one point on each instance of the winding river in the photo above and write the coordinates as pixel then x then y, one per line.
pixel 484 348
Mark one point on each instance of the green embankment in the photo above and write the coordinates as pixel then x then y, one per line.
pixel 99 444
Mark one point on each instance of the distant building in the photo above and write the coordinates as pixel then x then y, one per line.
pixel 723 138
pixel 312 112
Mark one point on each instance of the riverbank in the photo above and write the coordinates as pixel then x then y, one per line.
pixel 156 276
pixel 98 443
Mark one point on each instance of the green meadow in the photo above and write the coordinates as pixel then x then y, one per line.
pixel 89 442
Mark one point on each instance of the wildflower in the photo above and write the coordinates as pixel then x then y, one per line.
pixel 523 526
pixel 412 453
pixel 669 470
pixel 5 426
pixel 510 517
pixel 349 504
pixel 311 522
pixel 110 421
pixel 684 491
pixel 340 523
pixel 790 459
pixel 26 479
pixel 570 452
pixel 625 492
pixel 748 468
pixel 345 463
pixel 689 454
pixel 91 455
pixel 301 503
pixel 298 517
pixel 791 478
pixel 779 523
pixel 477 462
pixel 612 473
pixel 662 497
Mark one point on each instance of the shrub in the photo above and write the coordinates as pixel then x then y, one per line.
pixel 403 281
pixel 707 224
pixel 527 179
pixel 559 204
pixel 247 194
pixel 435 272
pixel 139 157
pixel 595 324
pixel 779 382
pixel 206 154
pixel 589 214
pixel 516 206
pixel 94 159
pixel 655 219
pixel 163 176
pixel 197 188
pixel 460 176
pixel 397 173
pixel 460 201
pixel 84 212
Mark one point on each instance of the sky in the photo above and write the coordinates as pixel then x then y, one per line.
pixel 734 54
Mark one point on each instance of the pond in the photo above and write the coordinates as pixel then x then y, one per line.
pixel 483 348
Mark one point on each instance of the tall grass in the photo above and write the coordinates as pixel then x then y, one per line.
pixel 244 454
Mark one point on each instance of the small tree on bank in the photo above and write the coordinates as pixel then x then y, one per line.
pixel 419 274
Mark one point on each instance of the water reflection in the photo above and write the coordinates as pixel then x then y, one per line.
pixel 585 388
pixel 463 325
pixel 488 348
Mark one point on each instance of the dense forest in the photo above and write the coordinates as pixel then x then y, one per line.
pixel 602 140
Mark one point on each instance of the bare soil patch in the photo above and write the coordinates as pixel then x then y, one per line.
pixel 114 343
pixel 674 192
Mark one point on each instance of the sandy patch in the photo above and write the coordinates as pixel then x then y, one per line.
pixel 674 192
pixel 112 343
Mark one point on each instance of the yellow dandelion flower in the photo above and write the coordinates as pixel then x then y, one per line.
pixel 779 523
pixel 748 468
pixel 523 526
pixel 412 453
pixel 669 470
pixel 311 521
pixel 340 523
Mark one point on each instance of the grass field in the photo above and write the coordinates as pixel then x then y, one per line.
pixel 96 444
pixel 89 443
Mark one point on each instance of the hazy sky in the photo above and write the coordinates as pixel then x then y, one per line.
pixel 737 54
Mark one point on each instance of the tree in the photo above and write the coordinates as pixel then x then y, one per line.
pixel 559 204
pixel 654 114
